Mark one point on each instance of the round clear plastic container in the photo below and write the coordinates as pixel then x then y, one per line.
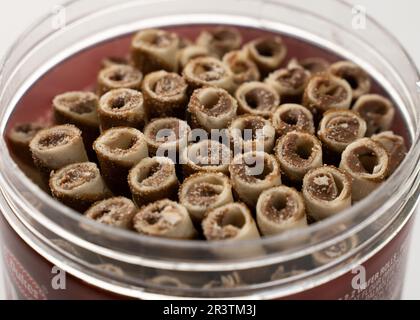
pixel 358 254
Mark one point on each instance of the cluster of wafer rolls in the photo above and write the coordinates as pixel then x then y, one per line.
pixel 214 139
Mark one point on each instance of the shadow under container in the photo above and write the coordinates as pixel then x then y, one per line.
pixel 359 254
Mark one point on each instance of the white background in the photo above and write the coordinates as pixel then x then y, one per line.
pixel 401 17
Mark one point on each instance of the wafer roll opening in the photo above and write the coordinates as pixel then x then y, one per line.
pixel 357 78
pixel 212 108
pixel 154 50
pixel 280 209
pixel 327 191
pixel 293 117
pixel 206 156
pixel 220 40
pixel 165 94
pixel 153 179
pixel 339 128
pixel 78 185
pixel 230 222
pixel 116 212
pixel 56 147
pixel 122 108
pixel 298 152
pixel 325 91
pixel 208 71
pixel 267 52
pixel 252 133
pixel 204 191
pixel 118 77
pixel 368 164
pixel 257 98
pixel 252 173
pixel 378 112
pixel 165 219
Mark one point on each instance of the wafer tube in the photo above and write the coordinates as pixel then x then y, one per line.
pixel 280 209
pixel 56 147
pixel 327 191
pixel 220 40
pixel 153 179
pixel 78 108
pixel 368 164
pixel 78 185
pixel 166 137
pixel 118 77
pixel 230 222
pixel 394 145
pixel 252 173
pixel 293 117
pixel 206 156
pixel 208 71
pixel 377 111
pixel 122 108
pixel 165 219
pixel 312 64
pixel 252 133
pixel 19 138
pixel 243 68
pixel 116 212
pixel 267 52
pixel 325 91
pixel 154 50
pixel 212 108
pixel 358 79
pixel 339 128
pixel 298 152
pixel 203 191
pixel 289 83
pixel 118 150
pixel 257 98
pixel 165 94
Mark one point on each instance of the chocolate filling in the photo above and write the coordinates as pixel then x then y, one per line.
pixel 54 139
pixel 76 176
pixel 363 160
pixel 325 186
pixel 110 213
pixel 78 104
pixel 215 104
pixel 295 119
pixel 245 171
pixel 298 151
pixel 208 71
pixel 253 125
pixel 260 99
pixel 226 224
pixel 157 174
pixel 122 75
pixel 169 85
pixel 328 92
pixel 342 129
pixel 124 101
pixel 217 154
pixel 280 207
pixel 162 215
pixel 292 78
pixel 204 193
pixel 171 130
